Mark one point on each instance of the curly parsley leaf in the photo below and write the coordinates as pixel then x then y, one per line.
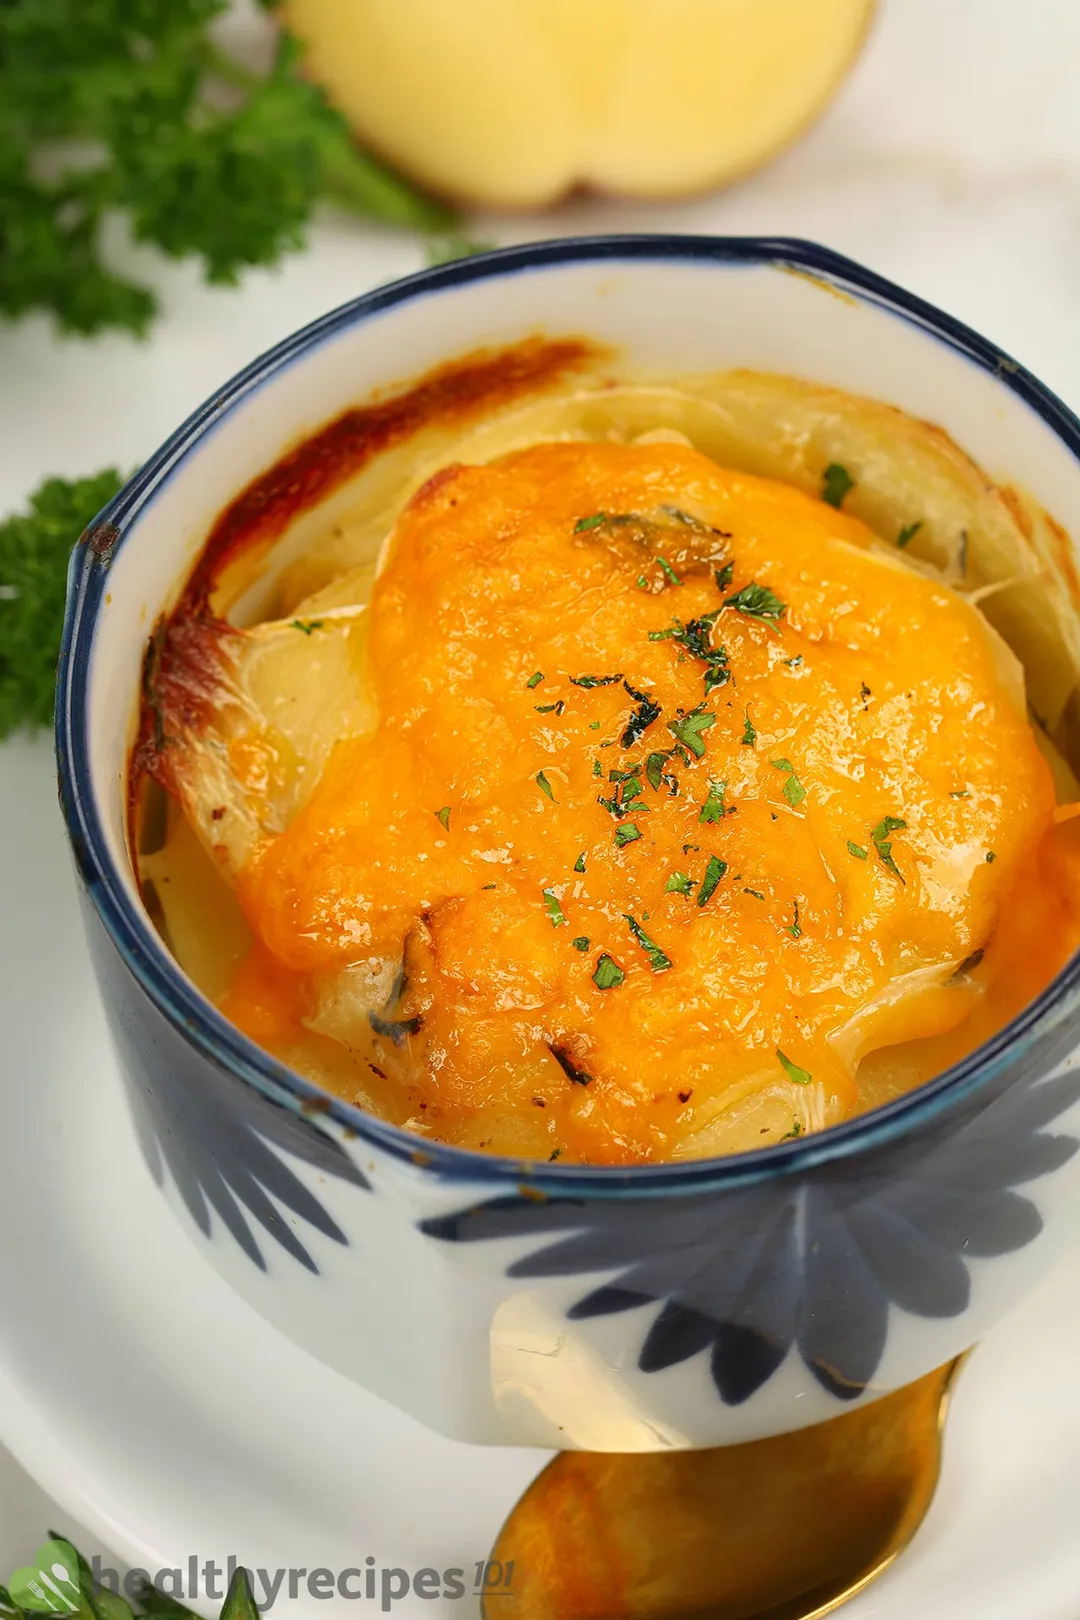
pixel 35 547
pixel 130 106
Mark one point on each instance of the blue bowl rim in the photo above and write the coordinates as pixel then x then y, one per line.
pixel 203 1026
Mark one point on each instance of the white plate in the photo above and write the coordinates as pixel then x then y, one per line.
pixel 167 1418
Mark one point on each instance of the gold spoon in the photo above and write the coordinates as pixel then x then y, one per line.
pixel 780 1529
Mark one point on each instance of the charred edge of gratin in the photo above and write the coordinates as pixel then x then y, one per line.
pixel 182 665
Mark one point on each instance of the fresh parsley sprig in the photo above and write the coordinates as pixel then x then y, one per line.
pixel 35 546
pixel 131 107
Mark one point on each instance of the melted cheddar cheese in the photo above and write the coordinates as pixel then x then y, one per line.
pixel 684 797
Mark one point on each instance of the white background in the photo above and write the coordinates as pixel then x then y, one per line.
pixel 950 162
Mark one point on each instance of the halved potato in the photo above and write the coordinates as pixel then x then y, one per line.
pixel 514 104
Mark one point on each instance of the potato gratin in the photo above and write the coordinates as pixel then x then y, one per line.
pixel 620 806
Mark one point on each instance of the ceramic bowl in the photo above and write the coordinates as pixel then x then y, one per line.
pixel 606 1308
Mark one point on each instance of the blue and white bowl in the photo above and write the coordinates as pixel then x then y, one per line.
pixel 696 1304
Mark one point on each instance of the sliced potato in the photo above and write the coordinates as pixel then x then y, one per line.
pixel 275 701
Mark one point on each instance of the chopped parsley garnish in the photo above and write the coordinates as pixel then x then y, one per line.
pixel 589 681
pixel 592 522
pixel 545 786
pixel 961 793
pixel 724 576
pixel 797 1076
pixel 713 808
pixel 556 1153
pixel 694 637
pixel 756 601
pixel 654 769
pixel 312 624
pixel 581 943
pixel 990 857
pixel 795 930
pixel 551 708
pixel 642 582
pixel 794 792
pixel 628 789
pixel 881 842
pixel 658 961
pixel 594 725
pixel 835 484
pixel 688 730
pixel 626 835
pixel 534 680
pixel 443 815
pixel 608 974
pixel 669 572
pixel 856 850
pixel 796 1130
pixel 642 718
pixel 793 662
pixel 749 736
pixel 679 883
pixel 755 894
pixel 553 908
pixel 714 871
pixel 908 532
pixel 579 864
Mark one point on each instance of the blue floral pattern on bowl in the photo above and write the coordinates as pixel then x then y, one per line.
pixel 814 1262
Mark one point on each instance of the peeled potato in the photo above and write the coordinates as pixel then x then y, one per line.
pixel 512 103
